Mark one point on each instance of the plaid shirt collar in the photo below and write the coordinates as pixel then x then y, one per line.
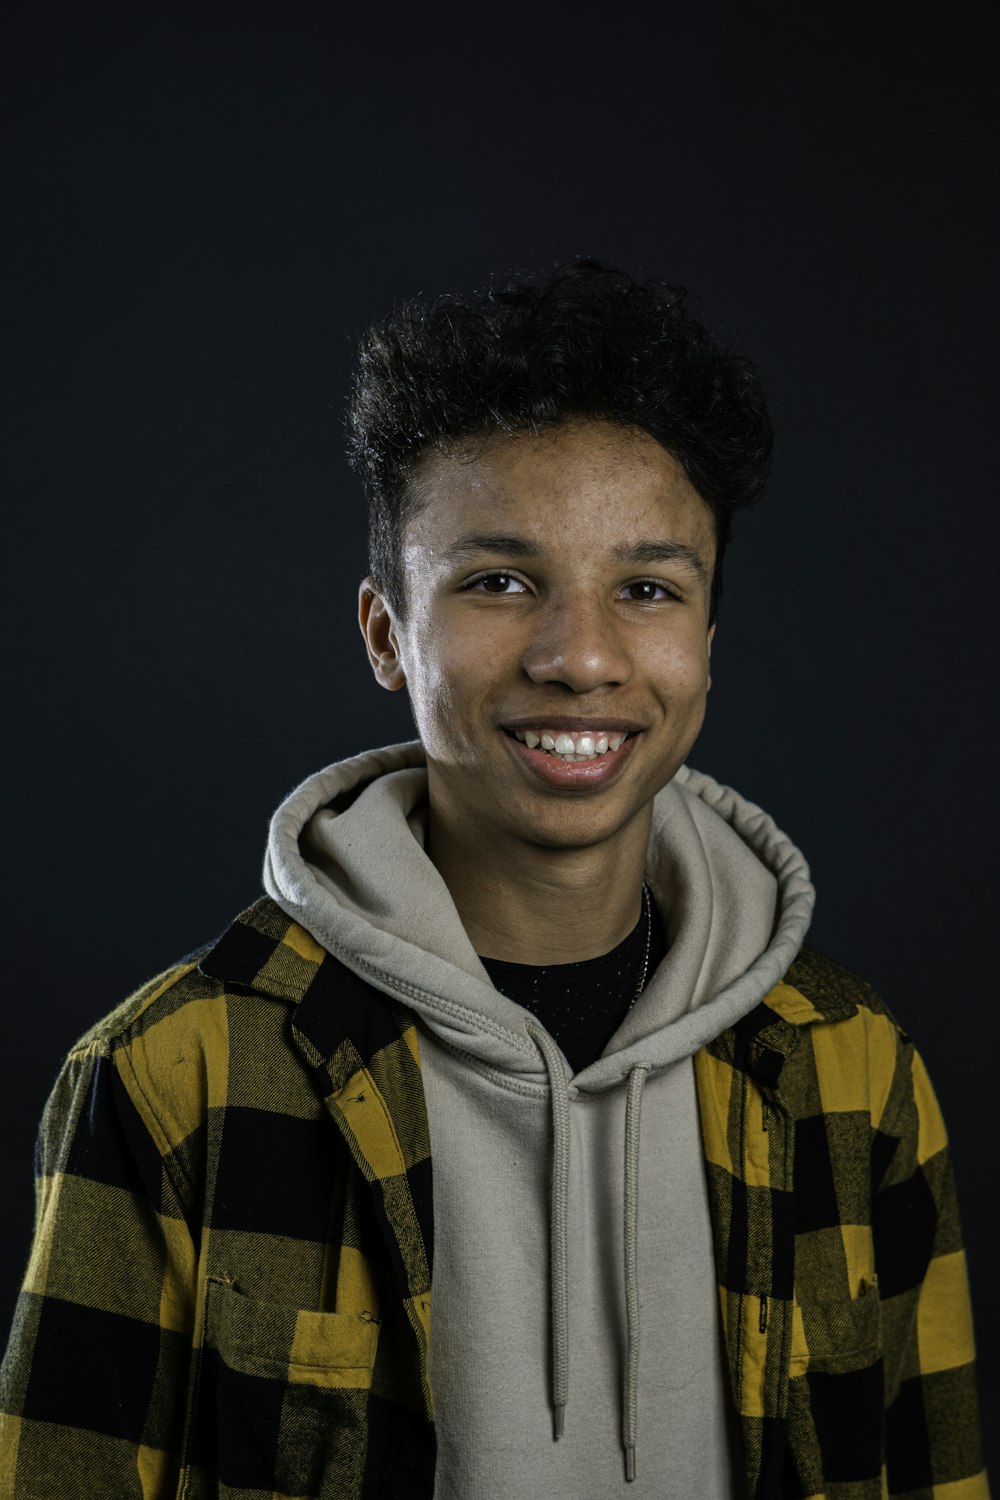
pixel 262 952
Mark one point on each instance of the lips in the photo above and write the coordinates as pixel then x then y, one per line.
pixel 577 769
pixel 572 746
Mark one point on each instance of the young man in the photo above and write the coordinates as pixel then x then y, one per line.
pixel 514 1144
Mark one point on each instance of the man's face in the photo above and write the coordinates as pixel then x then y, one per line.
pixel 556 585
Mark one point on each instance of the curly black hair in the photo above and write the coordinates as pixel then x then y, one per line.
pixel 526 356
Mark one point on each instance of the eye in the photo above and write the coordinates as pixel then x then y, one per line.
pixel 496 583
pixel 648 591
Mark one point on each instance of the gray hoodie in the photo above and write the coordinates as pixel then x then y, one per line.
pixel 570 1211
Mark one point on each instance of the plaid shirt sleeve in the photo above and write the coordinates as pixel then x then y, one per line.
pixel 91 1391
pixel 933 1444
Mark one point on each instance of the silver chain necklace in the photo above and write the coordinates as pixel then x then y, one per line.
pixel 649 933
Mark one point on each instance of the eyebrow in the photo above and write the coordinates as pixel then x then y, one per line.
pixel 645 550
pixel 654 550
pixel 490 541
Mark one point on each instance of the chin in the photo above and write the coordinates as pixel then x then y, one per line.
pixel 583 831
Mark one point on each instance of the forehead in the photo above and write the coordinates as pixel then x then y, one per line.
pixel 584 485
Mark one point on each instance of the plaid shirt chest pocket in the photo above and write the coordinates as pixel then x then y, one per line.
pixel 280 1398
pixel 837 1335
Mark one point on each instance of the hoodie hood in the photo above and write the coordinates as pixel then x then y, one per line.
pixel 346 860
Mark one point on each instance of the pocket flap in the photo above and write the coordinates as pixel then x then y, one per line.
pixel 265 1338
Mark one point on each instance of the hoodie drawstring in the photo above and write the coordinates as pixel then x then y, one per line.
pixel 558 1223
pixel 630 1383
pixel 559 1244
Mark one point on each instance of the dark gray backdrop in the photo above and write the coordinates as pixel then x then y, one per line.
pixel 209 201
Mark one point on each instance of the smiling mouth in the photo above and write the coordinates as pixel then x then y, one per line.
pixel 572 748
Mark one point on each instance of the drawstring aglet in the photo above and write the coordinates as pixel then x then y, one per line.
pixel 630 1463
pixel 558 1422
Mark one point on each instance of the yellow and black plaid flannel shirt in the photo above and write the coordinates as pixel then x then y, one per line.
pixel 229 1289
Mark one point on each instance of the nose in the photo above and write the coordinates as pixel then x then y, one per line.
pixel 577 642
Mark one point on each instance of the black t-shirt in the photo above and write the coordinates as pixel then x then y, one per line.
pixel 582 1005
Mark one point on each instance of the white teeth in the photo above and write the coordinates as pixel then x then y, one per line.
pixel 571 747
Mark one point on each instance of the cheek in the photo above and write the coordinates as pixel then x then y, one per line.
pixel 443 688
pixel 682 669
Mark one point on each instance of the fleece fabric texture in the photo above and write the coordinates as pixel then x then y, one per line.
pixel 346 860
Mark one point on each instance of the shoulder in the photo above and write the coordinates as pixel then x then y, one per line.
pixel 259 1017
pixel 210 1031
pixel 848 1054
pixel 167 994
pixel 260 960
pixel 833 992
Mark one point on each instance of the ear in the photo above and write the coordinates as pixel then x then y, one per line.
pixel 379 631
pixel 711 637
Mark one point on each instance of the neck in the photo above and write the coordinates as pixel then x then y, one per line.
pixel 539 905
